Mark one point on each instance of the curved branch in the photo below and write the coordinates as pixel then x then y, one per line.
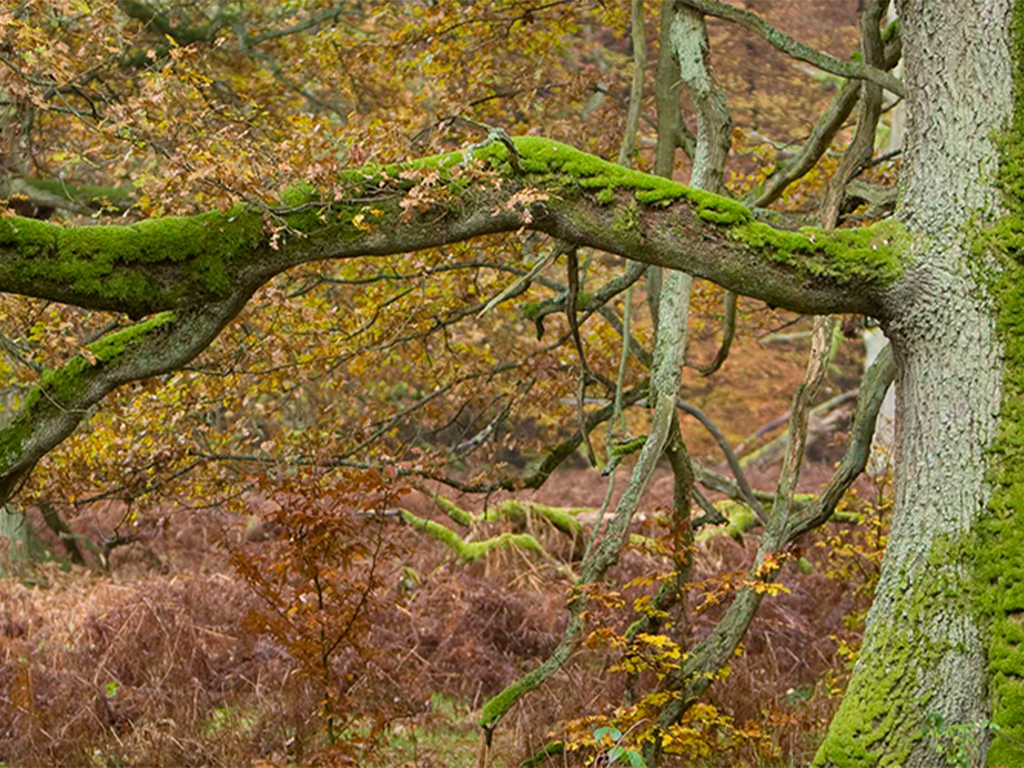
pixel 818 411
pixel 862 146
pixel 664 383
pixel 64 397
pixel 590 300
pixel 728 487
pixel 823 61
pixel 695 675
pixel 728 334
pixel 828 125
pixel 471 551
pixel 718 648
pixel 877 382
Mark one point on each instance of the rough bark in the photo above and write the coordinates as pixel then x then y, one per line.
pixel 924 651
pixel 788 520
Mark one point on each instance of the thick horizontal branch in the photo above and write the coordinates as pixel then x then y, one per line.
pixel 176 262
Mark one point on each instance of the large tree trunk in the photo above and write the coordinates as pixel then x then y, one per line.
pixel 921 678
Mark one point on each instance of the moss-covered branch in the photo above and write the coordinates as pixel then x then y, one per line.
pixel 514 510
pixel 175 262
pixel 470 551
pixel 64 396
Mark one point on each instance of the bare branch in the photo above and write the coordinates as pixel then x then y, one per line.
pixel 733 461
pixel 823 61
pixel 728 334
pixel 828 125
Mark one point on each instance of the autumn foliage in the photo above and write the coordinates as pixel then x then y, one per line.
pixel 257 589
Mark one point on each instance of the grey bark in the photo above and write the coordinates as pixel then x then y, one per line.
pixel 958 74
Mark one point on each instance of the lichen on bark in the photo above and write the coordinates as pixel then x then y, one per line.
pixel 880 722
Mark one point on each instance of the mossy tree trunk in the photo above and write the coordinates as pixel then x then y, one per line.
pixel 927 675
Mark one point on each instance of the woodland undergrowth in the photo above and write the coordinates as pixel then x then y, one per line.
pixel 225 649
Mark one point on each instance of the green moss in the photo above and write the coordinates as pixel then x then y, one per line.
pixel 499 704
pixel 545 159
pixel 12 438
pixel 741 519
pixel 531 309
pixel 563 519
pixel 891 32
pixel 549 750
pixel 627 218
pixel 872 253
pixel 299 193
pixel 628 447
pixel 307 211
pixel 456 513
pixel 999 554
pixel 59 388
pixel 30 236
pixel 866 253
pixel 880 722
pixel 64 384
pixel 470 551
pixel 115 262
pixel 113 345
